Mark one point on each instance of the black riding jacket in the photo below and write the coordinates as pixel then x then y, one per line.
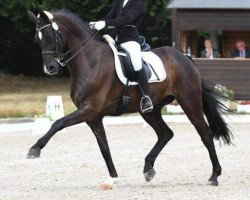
pixel 126 19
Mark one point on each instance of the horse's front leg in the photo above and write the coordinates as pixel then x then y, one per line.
pixel 98 129
pixel 74 118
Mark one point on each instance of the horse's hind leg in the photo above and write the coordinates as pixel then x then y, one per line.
pixel 164 133
pixel 191 103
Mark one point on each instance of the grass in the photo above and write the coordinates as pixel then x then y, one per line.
pixel 22 96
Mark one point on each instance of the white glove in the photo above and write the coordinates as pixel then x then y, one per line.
pixel 99 25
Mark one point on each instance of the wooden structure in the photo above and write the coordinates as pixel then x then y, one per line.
pixel 232 18
pixel 234 74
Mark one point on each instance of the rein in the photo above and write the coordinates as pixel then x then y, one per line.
pixel 58 53
pixel 63 55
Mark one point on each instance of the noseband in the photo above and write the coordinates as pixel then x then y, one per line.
pixel 58 52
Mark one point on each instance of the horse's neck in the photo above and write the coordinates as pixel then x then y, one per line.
pixel 83 65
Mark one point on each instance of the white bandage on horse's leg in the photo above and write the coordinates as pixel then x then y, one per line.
pixel 134 50
pixel 111 180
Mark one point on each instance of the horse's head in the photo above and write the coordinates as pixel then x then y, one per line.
pixel 50 40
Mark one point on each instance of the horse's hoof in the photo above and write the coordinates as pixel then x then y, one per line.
pixel 149 175
pixel 34 153
pixel 213 183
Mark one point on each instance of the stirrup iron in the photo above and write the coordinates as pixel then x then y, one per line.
pixel 148 109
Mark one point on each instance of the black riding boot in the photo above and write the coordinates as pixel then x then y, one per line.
pixel 146 103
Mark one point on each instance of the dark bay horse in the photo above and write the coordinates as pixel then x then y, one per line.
pixel 96 90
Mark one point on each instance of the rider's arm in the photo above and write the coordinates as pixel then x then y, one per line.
pixel 137 10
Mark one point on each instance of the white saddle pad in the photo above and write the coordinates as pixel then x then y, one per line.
pixel 158 72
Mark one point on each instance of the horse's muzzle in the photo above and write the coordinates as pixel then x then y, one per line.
pixel 52 68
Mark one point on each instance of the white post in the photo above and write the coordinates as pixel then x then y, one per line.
pixel 54 110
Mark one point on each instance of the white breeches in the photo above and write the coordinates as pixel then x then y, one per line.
pixel 134 50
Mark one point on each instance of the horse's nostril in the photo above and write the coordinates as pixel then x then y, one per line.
pixel 51 68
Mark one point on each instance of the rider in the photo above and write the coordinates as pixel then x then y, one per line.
pixel 126 16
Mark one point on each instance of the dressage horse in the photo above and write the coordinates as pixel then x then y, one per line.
pixel 96 89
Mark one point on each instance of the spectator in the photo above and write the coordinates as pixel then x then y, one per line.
pixel 209 52
pixel 241 50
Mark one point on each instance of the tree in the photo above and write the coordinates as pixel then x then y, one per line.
pixel 20 54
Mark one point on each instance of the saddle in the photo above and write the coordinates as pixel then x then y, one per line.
pixel 152 64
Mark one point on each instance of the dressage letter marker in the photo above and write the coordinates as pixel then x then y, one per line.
pixel 54 107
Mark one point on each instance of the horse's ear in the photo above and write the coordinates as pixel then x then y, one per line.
pixel 32 17
pixel 46 16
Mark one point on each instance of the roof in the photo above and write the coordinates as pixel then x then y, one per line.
pixel 210 4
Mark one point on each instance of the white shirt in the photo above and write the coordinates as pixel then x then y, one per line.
pixel 125 2
pixel 243 54
pixel 212 53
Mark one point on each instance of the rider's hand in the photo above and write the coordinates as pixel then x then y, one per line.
pixel 99 25
pixel 91 24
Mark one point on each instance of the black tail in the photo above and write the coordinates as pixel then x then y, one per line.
pixel 213 108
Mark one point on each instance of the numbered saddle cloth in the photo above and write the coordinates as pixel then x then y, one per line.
pixel 151 62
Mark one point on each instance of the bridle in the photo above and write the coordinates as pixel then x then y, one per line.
pixel 58 52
